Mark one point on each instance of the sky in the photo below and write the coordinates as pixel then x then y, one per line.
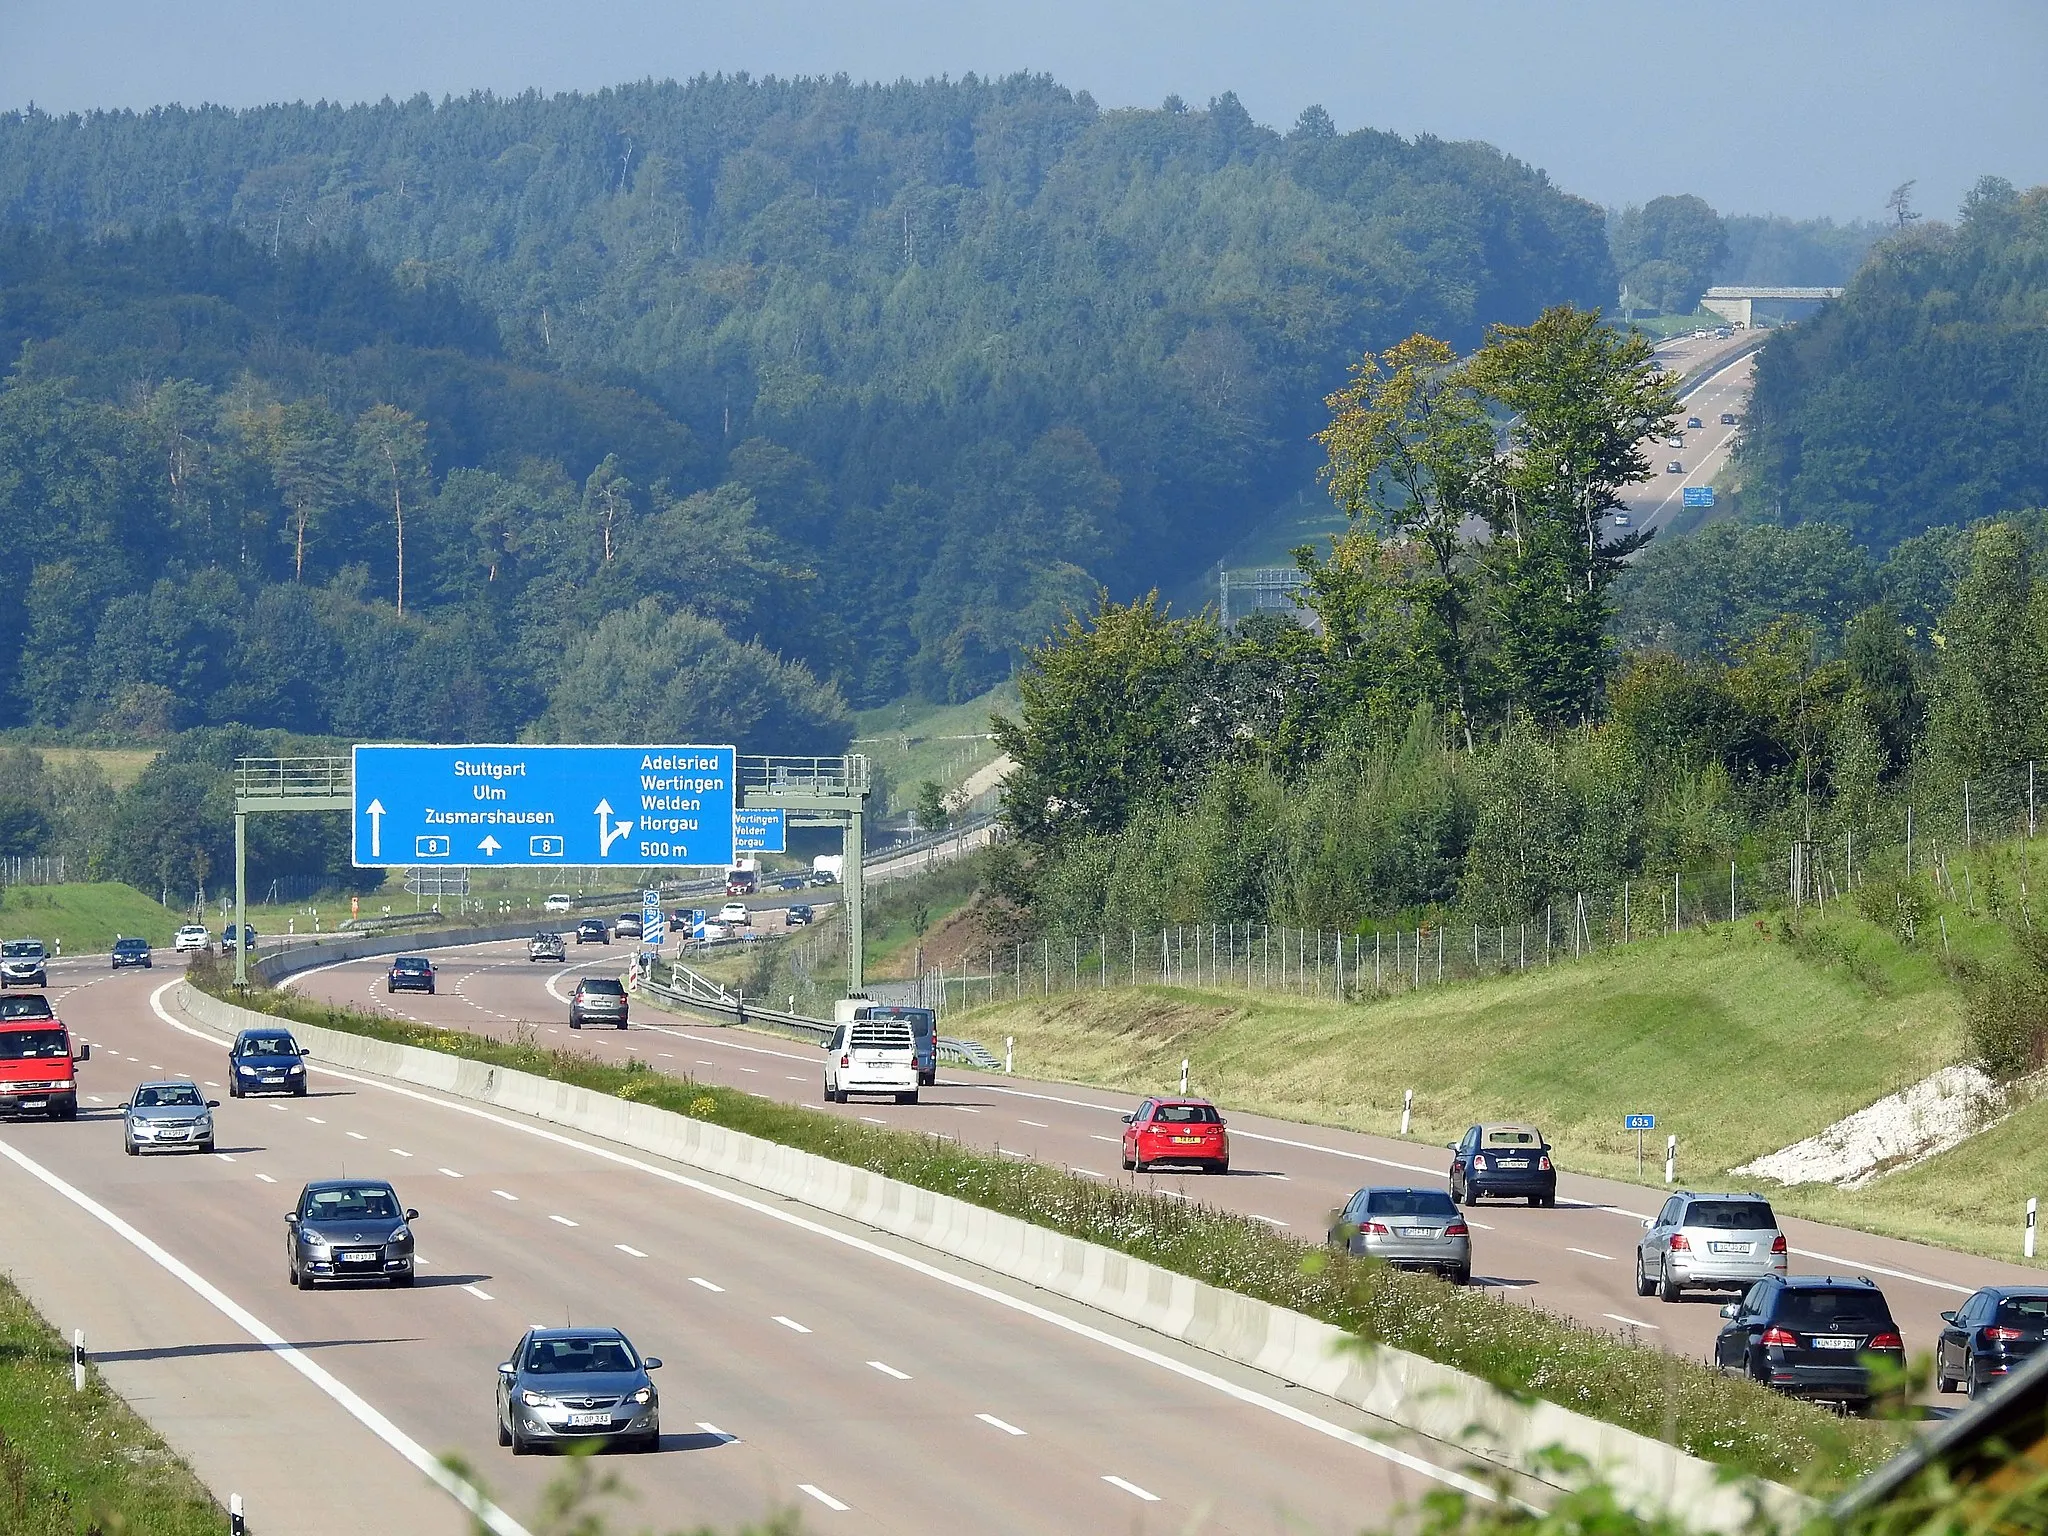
pixel 1799 107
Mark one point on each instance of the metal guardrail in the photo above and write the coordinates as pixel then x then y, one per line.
pixel 687 989
pixel 814 775
pixel 266 777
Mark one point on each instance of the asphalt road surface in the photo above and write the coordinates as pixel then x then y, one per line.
pixel 808 1362
pixel 1655 500
pixel 1576 1259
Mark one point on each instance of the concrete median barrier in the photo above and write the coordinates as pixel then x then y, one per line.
pixel 1490 1425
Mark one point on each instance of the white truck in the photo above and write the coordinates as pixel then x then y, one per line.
pixel 828 869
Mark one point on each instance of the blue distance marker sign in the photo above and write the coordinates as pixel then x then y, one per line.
pixel 538 805
pixel 1639 1122
pixel 1698 495
pixel 759 831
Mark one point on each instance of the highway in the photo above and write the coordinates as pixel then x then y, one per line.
pixel 1576 1260
pixel 1723 388
pixel 808 1363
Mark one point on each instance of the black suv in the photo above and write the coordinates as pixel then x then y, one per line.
pixel 593 931
pixel 1988 1336
pixel 1810 1336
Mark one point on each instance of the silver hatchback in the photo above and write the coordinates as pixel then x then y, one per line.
pixel 1708 1242
pixel 1409 1229
pixel 167 1115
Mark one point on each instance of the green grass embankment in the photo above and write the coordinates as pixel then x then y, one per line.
pixel 1741 1040
pixel 1516 1347
pixel 86 919
pixel 82 1461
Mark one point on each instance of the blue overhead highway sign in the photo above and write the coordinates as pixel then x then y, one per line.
pixel 471 805
pixel 759 831
pixel 1699 496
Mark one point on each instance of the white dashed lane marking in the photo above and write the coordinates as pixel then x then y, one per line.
pixel 1004 1426
pixel 628 1249
pixel 821 1496
pixel 889 1370
pixel 791 1324
pixel 1131 1488
pixel 565 1221
pixel 700 1280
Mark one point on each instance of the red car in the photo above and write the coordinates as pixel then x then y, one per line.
pixel 1176 1131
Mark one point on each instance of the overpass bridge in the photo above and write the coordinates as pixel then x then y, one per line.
pixel 1738 304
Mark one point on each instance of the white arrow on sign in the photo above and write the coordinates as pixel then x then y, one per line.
pixel 607 834
pixel 490 845
pixel 375 811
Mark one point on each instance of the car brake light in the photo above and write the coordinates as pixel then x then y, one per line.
pixel 846 1061
pixel 1888 1341
pixel 1781 1336
pixel 1996 1333
pixel 1479 1164
pixel 1679 1244
pixel 1378 1229
pixel 1457 1229
pixel 1778 1243
pixel 1543 1164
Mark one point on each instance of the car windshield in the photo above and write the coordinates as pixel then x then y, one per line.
pixel 2024 1312
pixel 22 949
pixel 33 1005
pixel 356 1202
pixel 1805 1311
pixel 579 1357
pixel 128 946
pixel 165 1098
pixel 1410 1202
pixel 1731 1215
pixel 33 1044
pixel 268 1045
pixel 1186 1114
pixel 603 984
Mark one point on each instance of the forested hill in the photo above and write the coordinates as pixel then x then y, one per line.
pixel 1916 401
pixel 958 350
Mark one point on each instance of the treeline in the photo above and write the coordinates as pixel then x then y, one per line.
pixel 170 833
pixel 1915 401
pixel 1396 753
pixel 1670 250
pixel 966 348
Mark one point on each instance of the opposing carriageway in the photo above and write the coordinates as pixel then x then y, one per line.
pixel 803 1366
pixel 1576 1259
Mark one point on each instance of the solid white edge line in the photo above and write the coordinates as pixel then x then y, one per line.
pixel 1079 1329
pixel 1633 1322
pixel 356 1407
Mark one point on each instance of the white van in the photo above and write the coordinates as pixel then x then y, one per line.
pixel 871 1056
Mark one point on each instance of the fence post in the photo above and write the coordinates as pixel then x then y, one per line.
pixel 1966 815
pixel 1624 912
pixel 1439 956
pixel 1731 890
pixel 1376 962
pixel 1909 842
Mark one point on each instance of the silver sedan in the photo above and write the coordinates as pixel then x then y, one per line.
pixel 1409 1229
pixel 167 1115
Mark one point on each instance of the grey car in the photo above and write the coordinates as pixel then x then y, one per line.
pixel 546 946
pixel 598 1000
pixel 166 1115
pixel 564 1385
pixel 22 963
pixel 349 1229
pixel 1708 1242
pixel 1409 1229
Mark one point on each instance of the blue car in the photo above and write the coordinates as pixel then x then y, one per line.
pixel 227 937
pixel 266 1060
pixel 924 1029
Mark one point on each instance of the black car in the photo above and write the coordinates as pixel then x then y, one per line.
pixel 570 1384
pixel 593 931
pixel 1810 1336
pixel 798 915
pixel 1503 1161
pixel 131 952
pixel 1988 1336
pixel 266 1060
pixel 410 973
pixel 349 1229
pixel 1727 418
pixel 227 937
pixel 791 883
pixel 598 1000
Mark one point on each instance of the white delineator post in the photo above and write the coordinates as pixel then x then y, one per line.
pixel 237 1526
pixel 1407 1107
pixel 78 1334
pixel 1183 1074
pixel 1670 1159
pixel 2033 1205
pixel 1009 1052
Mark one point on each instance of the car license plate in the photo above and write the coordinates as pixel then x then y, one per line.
pixel 1727 1247
pixel 584 1420
pixel 358 1258
pixel 1514 1162
pixel 35 1103
pixel 274 1078
pixel 1417 1231
pixel 1187 1141
pixel 1827 1343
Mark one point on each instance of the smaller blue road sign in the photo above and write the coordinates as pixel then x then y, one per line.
pixel 1639 1123
pixel 1699 495
pixel 759 831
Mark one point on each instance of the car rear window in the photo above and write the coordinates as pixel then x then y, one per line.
pixel 882 1035
pixel 1731 1215
pixel 1410 1202
pixel 605 985
pixel 1805 1310
pixel 2024 1312
pixel 1186 1114
pixel 410 963
pixel 1510 1136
